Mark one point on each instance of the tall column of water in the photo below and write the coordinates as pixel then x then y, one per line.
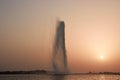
pixel 59 60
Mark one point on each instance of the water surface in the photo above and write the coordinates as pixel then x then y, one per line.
pixel 59 77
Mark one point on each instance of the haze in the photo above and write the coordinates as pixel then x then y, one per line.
pixel 27 29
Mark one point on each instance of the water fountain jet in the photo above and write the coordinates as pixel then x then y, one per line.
pixel 59 60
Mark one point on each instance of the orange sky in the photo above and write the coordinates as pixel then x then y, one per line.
pixel 27 29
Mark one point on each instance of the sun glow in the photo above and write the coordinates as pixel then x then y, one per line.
pixel 102 57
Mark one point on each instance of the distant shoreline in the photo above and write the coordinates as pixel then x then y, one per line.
pixel 23 72
pixel 51 73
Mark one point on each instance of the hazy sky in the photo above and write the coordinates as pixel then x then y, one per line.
pixel 27 29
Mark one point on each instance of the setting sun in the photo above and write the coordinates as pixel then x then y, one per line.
pixel 102 57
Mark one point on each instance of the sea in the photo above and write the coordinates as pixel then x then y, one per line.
pixel 59 77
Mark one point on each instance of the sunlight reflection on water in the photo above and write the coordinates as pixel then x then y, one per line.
pixel 59 77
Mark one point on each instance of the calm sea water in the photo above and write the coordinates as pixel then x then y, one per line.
pixel 59 77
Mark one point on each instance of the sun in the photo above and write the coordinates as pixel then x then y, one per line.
pixel 102 57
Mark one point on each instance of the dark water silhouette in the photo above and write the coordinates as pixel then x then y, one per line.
pixel 59 60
